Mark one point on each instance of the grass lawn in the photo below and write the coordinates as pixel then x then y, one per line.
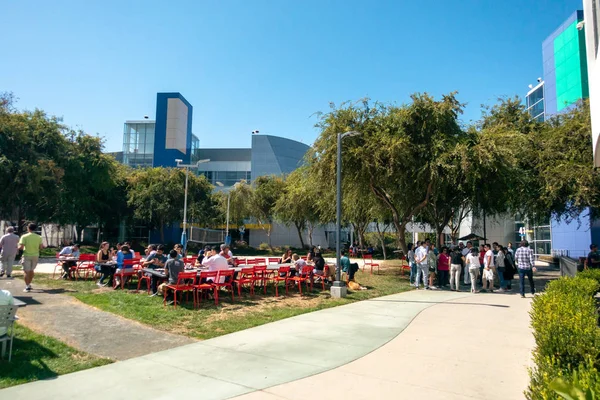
pixel 211 321
pixel 37 357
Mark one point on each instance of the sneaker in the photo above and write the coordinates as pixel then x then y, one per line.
pixel 427 288
pixel 27 289
pixel 522 296
pixel 9 277
pixel 1 274
pixel 501 290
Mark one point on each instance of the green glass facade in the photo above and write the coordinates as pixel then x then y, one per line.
pixel 571 67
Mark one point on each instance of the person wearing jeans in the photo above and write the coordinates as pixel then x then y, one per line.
pixel 525 266
pixel 411 262
pixel 500 267
pixel 422 266
pixel 472 264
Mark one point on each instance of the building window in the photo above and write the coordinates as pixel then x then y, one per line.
pixel 227 178
pixel 595 10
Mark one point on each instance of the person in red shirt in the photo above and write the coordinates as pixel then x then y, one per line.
pixel 443 267
pixel 481 258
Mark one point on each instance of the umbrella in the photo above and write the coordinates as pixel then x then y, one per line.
pixel 472 236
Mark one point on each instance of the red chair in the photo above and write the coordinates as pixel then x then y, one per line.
pixel 260 275
pixel 250 261
pixel 128 270
pixel 57 266
pixel 227 276
pixel 273 260
pixel 404 266
pixel 368 262
pixel 240 261
pixel 304 258
pixel 260 261
pixel 285 271
pixel 136 254
pixel 205 282
pixel 86 264
pixel 182 285
pixel 245 277
pixel 189 261
pixel 143 278
pixel 322 277
pixel 305 276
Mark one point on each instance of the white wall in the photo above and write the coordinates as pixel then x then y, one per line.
pixel 281 235
pixel 593 74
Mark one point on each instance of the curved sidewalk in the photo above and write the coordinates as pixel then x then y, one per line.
pixel 274 360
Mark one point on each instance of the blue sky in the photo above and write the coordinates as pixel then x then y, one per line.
pixel 264 64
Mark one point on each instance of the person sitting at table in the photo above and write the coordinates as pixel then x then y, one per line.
pixel 319 269
pixel 179 249
pixel 122 255
pixel 150 250
pixel 215 261
pixel 156 259
pixel 298 264
pixel 201 254
pixel 130 248
pixel 227 254
pixel 102 257
pixel 286 258
pixel 69 251
pixel 173 267
pixel 311 254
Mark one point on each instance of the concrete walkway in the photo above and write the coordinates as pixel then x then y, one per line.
pixel 471 347
pixel 87 328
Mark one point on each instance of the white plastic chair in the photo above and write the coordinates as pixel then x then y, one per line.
pixel 7 320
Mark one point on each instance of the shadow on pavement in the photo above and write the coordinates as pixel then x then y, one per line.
pixel 439 302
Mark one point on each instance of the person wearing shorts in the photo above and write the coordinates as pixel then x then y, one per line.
pixel 31 244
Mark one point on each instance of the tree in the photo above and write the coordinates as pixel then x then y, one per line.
pixel 157 194
pixel 399 156
pixel 295 205
pixel 266 191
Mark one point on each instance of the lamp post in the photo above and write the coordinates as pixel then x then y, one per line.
pixel 338 289
pixel 220 184
pixel 187 169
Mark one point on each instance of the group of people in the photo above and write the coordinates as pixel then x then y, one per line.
pixel 28 246
pixel 478 267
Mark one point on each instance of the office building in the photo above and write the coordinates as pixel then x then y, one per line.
pixel 535 102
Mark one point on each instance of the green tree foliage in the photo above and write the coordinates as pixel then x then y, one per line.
pixel 400 155
pixel 156 196
pixel 265 193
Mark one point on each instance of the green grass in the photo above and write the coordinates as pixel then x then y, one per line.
pixel 211 321
pixel 38 357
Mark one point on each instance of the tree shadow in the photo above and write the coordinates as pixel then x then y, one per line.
pixel 28 363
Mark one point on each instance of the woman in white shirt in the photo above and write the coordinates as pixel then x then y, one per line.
pixel 473 264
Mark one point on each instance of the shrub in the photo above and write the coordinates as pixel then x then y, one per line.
pixel 564 320
pixel 263 246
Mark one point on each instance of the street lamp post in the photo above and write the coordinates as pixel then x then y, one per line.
pixel 338 289
pixel 220 184
pixel 187 169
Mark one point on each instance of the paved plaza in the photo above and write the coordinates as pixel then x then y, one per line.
pixel 418 344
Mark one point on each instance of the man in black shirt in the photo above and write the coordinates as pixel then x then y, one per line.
pixel 593 258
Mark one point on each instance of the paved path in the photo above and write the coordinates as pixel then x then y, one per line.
pixel 87 328
pixel 476 347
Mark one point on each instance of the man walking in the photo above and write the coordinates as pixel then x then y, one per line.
pixel 31 244
pixel 9 245
pixel 465 252
pixel 422 267
pixel 524 260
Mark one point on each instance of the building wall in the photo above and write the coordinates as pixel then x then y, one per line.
pixel 173 131
pixel 565 65
pixel 287 236
pixel 591 10
pixel 138 143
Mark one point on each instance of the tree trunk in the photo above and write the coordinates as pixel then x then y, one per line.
pixel 382 240
pixel 299 229
pixel 46 235
pixel 440 236
pixel 311 227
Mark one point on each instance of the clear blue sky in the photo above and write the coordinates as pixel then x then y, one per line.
pixel 264 64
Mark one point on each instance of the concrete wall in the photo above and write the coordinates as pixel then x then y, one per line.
pixel 286 236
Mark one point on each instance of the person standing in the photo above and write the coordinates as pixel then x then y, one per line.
pixel 593 257
pixel 443 267
pixel 9 245
pixel 509 248
pixel 501 267
pixel 456 262
pixel 473 266
pixel 432 265
pixel 422 267
pixel 465 252
pixel 509 269
pixel 488 272
pixel 411 262
pixel 525 266
pixel 31 244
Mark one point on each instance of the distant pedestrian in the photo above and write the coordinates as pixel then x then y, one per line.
pixel 509 269
pixel 9 247
pixel 525 266
pixel 31 244
pixel 593 258
pixel 465 252
pixel 501 267
pixel 422 266
pixel 488 269
pixel 443 267
pixel 473 265
pixel 456 263
pixel 432 265
pixel 509 248
pixel 411 262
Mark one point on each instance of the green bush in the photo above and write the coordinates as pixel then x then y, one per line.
pixel 565 324
pixel 263 246
pixel 590 274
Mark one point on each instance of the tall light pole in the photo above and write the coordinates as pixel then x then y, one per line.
pixel 220 184
pixel 187 169
pixel 338 289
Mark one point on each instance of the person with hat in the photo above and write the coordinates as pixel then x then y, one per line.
pixel 9 248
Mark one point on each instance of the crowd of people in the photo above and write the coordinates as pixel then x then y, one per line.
pixel 479 268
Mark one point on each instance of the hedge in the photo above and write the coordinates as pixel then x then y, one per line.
pixel 565 324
